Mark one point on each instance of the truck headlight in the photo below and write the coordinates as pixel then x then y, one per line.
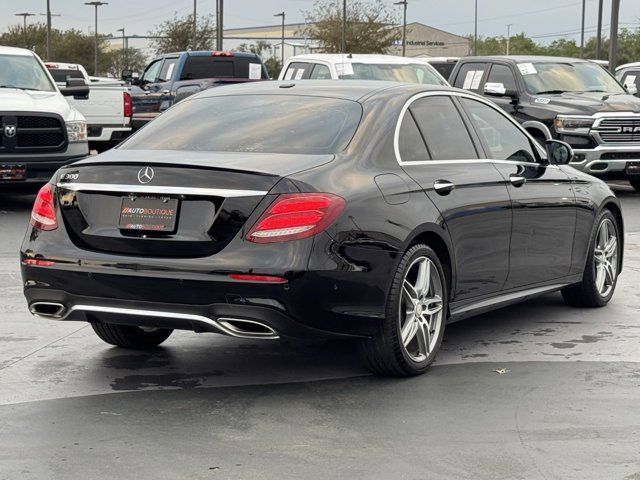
pixel 77 131
pixel 574 125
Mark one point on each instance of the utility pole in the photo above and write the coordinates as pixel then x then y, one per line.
pixel 343 48
pixel 584 6
pixel 599 33
pixel 219 23
pixel 195 26
pixel 48 30
pixel 509 25
pixel 281 14
pixel 24 16
pixel 475 31
pixel 404 25
pixel 613 42
pixel 96 4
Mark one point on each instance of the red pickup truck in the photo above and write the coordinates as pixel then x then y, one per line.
pixel 175 76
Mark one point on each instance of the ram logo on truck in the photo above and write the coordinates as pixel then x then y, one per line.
pixel 9 131
pixel 631 129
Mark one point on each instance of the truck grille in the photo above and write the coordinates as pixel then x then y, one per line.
pixel 619 130
pixel 31 134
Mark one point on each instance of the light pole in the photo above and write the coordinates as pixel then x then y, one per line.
pixel 195 26
pixel 48 30
pixel 509 25
pixel 281 14
pixel 613 42
pixel 475 31
pixel 584 6
pixel 124 48
pixel 24 16
pixel 599 33
pixel 219 23
pixel 95 55
pixel 343 43
pixel 404 24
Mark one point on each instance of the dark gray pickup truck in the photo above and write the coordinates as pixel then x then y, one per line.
pixel 175 76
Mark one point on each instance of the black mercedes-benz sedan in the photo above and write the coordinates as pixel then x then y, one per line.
pixel 377 211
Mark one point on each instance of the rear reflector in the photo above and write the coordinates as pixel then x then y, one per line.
pixel 38 262
pixel 43 215
pixel 296 215
pixel 257 278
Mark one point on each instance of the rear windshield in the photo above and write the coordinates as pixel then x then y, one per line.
pixel 253 123
pixel 60 76
pixel 199 67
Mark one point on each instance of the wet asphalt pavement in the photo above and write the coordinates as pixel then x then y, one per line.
pixel 210 407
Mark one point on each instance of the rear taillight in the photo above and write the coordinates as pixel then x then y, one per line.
pixel 296 215
pixel 126 99
pixel 43 215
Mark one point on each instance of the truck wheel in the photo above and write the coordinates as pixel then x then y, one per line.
pixel 127 336
pixel 601 271
pixel 416 312
pixel 635 183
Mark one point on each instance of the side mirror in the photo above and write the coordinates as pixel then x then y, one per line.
pixel 498 89
pixel 559 153
pixel 76 88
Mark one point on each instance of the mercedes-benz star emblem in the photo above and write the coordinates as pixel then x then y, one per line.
pixel 145 175
pixel 9 131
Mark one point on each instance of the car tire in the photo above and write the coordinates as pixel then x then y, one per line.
pixel 635 183
pixel 601 271
pixel 405 346
pixel 127 336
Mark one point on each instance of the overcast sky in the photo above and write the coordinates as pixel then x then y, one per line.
pixel 543 19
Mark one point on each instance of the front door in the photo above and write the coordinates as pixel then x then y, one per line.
pixel 544 207
pixel 468 191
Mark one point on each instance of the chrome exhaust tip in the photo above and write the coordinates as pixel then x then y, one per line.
pixel 48 309
pixel 240 327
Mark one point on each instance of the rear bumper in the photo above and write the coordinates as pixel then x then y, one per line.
pixel 108 133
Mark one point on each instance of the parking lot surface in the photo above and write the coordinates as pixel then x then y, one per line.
pixel 206 406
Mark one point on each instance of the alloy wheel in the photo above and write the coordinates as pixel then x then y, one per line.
pixel 606 257
pixel 421 309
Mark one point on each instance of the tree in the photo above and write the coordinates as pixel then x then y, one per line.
pixel 369 26
pixel 176 35
pixel 115 61
pixel 272 64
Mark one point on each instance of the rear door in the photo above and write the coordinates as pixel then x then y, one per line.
pixel 439 152
pixel 544 208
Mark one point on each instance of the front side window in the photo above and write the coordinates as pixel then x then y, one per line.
pixel 151 73
pixel 320 72
pixel 558 77
pixel 504 139
pixel 470 76
pixel 502 74
pixel 442 128
pixel 260 124
pixel 166 73
pixel 24 72
pixel 298 71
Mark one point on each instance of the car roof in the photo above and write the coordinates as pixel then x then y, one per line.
pixel 62 66
pixel 524 58
pixel 15 51
pixel 353 58
pixel 208 53
pixel 628 65
pixel 354 90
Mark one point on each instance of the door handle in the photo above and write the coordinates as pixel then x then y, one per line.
pixel 517 180
pixel 443 187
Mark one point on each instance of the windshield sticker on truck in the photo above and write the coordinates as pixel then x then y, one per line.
pixel 475 84
pixel 170 70
pixel 289 73
pixel 630 80
pixel 527 69
pixel 542 100
pixel 299 74
pixel 255 71
pixel 344 69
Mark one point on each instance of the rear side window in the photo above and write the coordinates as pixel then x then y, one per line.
pixel 444 68
pixel 202 66
pixel 502 74
pixel 410 142
pixel 253 123
pixel 60 76
pixel 470 76
pixel 442 128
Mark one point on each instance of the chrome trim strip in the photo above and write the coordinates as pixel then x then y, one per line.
pixel 507 297
pixel 160 189
pixel 405 107
pixel 159 314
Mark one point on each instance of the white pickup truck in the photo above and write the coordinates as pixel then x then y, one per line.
pixel 107 110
